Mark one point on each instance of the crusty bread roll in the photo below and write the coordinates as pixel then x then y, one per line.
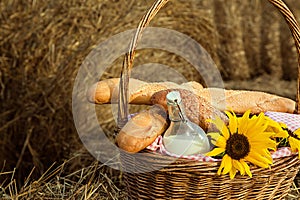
pixel 142 129
pixel 140 92
pixel 240 101
pixel 144 93
pixel 197 109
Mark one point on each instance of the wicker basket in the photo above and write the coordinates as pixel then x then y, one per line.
pixel 187 179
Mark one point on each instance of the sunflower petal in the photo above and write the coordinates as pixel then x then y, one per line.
pixel 262 151
pixel 221 126
pixel 227 164
pixel 214 135
pixel 221 142
pixel 264 146
pixel 243 122
pixel 295 144
pixel 236 164
pixel 232 122
pixel 246 167
pixel 225 132
pixel 221 167
pixel 257 162
pixel 232 173
pixel 278 128
pixel 218 122
pixel 215 152
pixel 264 159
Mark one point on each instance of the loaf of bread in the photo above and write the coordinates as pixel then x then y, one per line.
pixel 142 129
pixel 240 101
pixel 140 92
pixel 197 109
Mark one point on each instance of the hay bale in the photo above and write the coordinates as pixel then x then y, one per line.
pixel 288 52
pixel 42 46
pixel 251 18
pixel 271 52
pixel 233 56
pixel 43 43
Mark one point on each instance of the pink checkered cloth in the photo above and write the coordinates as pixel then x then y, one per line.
pixel 291 120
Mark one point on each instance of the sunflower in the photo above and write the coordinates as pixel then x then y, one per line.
pixel 279 128
pixel 294 140
pixel 244 139
pixel 284 135
pixel 281 132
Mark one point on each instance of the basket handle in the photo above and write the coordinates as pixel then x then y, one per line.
pixel 295 30
pixel 151 13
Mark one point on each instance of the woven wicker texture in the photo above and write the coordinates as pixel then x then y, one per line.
pixel 185 179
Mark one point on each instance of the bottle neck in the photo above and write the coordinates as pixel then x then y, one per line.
pixel 176 112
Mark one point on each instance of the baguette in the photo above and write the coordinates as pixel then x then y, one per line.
pixel 140 92
pixel 240 101
pixel 142 129
pixel 197 109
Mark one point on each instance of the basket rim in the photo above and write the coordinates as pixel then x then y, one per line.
pixel 182 164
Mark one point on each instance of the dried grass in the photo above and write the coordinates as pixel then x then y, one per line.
pixel 42 45
pixel 91 182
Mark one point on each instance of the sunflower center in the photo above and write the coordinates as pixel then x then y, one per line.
pixel 237 146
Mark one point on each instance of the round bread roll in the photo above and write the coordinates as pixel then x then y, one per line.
pixel 142 129
pixel 197 109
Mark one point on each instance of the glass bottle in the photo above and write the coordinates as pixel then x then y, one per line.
pixel 183 137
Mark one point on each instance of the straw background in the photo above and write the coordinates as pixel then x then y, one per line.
pixel 43 43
